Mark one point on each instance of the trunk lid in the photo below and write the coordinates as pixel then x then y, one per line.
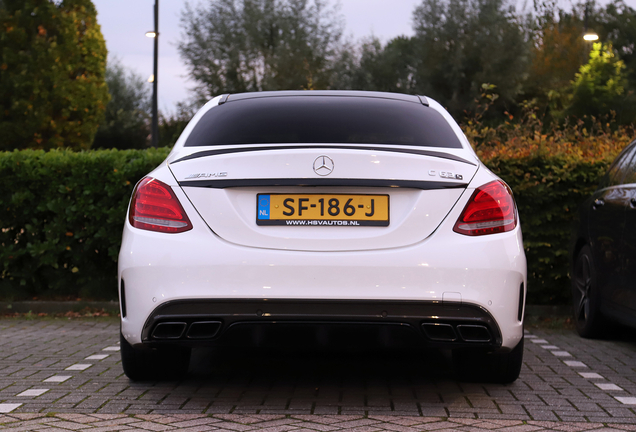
pixel 226 185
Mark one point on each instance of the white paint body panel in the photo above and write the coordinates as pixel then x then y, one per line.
pixel 230 257
pixel 414 215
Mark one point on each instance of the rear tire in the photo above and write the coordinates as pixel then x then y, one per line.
pixel 588 319
pixel 482 366
pixel 144 364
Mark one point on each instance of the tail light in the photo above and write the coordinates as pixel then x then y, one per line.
pixel 155 207
pixel 490 210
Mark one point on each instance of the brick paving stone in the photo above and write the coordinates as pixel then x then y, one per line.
pixel 315 423
pixel 353 387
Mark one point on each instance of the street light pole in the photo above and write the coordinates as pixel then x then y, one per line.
pixel 155 114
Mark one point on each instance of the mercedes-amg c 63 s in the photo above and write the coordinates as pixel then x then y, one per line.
pixel 322 210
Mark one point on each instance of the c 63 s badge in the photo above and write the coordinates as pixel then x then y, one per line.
pixel 446 174
pixel 206 175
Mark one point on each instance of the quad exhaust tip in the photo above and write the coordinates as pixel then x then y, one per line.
pixel 441 332
pixel 474 333
pixel 176 330
pixel 169 330
pixel 438 332
pixel 203 329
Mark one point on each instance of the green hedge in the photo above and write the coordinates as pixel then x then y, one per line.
pixel 548 192
pixel 63 214
pixel 62 218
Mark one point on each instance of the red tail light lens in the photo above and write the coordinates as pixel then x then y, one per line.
pixel 155 207
pixel 490 210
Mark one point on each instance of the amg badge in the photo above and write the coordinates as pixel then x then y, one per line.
pixel 206 175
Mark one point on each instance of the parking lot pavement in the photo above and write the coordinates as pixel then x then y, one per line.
pixel 66 374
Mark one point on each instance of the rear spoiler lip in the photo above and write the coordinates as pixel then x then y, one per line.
pixel 416 151
pixel 315 182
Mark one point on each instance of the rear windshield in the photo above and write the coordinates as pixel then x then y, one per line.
pixel 322 119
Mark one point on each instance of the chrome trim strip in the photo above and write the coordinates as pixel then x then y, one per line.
pixel 315 147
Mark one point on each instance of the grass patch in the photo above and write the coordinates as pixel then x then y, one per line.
pixel 86 313
pixel 555 322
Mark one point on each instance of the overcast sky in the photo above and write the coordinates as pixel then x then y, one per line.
pixel 124 23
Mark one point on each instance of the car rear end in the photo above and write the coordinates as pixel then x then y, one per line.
pixel 323 208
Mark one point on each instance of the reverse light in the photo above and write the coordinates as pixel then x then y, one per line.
pixel 490 210
pixel 155 207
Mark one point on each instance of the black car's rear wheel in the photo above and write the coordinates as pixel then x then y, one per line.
pixel 483 366
pixel 143 364
pixel 588 319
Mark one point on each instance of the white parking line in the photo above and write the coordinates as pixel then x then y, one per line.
pixel 58 378
pixel 591 375
pixel 79 366
pixel 607 386
pixel 6 408
pixel 33 392
pixel 111 348
pixel 97 357
pixel 626 400
pixel 573 363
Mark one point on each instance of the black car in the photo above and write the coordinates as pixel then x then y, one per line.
pixel 604 254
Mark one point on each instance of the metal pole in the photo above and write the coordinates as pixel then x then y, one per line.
pixel 155 114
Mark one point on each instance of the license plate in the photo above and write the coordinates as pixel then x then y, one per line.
pixel 322 210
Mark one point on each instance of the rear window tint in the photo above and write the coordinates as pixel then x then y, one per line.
pixel 322 119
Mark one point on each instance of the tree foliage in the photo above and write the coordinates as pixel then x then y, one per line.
pixel 126 122
pixel 462 44
pixel 616 24
pixel 171 124
pixel 557 53
pixel 253 45
pixel 459 46
pixel 376 67
pixel 599 87
pixel 52 62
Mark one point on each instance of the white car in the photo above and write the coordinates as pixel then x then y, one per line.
pixel 328 210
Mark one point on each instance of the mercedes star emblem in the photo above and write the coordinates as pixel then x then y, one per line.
pixel 323 165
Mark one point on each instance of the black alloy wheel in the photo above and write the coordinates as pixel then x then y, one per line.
pixel 483 366
pixel 153 364
pixel 585 296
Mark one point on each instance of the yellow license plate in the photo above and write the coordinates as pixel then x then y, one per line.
pixel 322 210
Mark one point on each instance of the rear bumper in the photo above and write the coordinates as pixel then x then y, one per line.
pixel 211 321
pixel 216 278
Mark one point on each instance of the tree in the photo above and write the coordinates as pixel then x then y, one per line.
pixel 617 25
pixel 52 62
pixel 171 125
pixel 385 68
pixel 253 45
pixel 599 87
pixel 462 44
pixel 126 122
pixel 557 53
